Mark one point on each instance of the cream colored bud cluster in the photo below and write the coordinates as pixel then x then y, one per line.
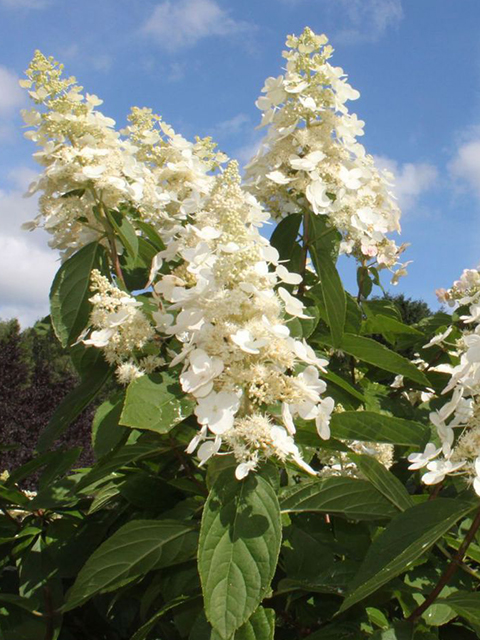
pixel 183 167
pixel 120 329
pixel 340 464
pixel 310 159
pixel 229 306
pixel 89 167
pixel 457 422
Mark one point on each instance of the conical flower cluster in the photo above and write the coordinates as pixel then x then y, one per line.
pixel 310 159
pixel 229 305
pixel 90 168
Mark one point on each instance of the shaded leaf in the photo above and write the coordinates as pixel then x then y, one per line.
pixel 125 231
pixel 349 497
pixel 142 633
pixel 370 426
pixel 407 537
pixel 149 231
pixel 69 305
pixel 106 430
pixel 116 460
pixel 332 292
pixel 131 552
pixel 334 378
pixel 383 480
pixel 464 604
pixel 373 352
pixel 402 630
pixel 285 234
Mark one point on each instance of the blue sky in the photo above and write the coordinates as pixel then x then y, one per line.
pixel 201 64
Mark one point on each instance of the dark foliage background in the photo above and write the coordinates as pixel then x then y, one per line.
pixel 35 376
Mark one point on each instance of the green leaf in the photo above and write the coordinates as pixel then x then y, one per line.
pixel 151 234
pixel 337 380
pixel 73 405
pixel 402 630
pixel 349 630
pixel 386 324
pixel 348 497
pixel 29 467
pixel 373 352
pixel 383 480
pixel 155 402
pixel 59 464
pixel 464 604
pixel 136 269
pixel 106 430
pixel 382 306
pixel 333 293
pixel 323 237
pixel 131 552
pixel 407 537
pixel 238 550
pixel 69 306
pixel 260 626
pixel 353 320
pixel 335 579
pixel 13 496
pixel 142 633
pixel 125 231
pixel 370 426
pixel 285 234
pixel 85 359
pixel 365 283
pixel 24 603
pixel 116 460
pixel 303 327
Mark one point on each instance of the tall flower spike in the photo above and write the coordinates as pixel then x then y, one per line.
pixel 310 158
pixel 89 167
pixel 237 350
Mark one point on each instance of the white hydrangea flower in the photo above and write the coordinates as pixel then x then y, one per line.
pixel 310 156
pixel 217 411
pixel 461 413
pixel 119 327
pixel 238 356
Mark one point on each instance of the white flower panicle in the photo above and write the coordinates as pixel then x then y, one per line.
pixel 120 329
pixel 90 168
pixel 225 300
pixel 311 160
pixel 457 422
pixel 238 355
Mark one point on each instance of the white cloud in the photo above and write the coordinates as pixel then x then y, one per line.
pixel 177 24
pixel 90 59
pixel 24 4
pixel 369 19
pixel 232 126
pixel 411 180
pixel 11 96
pixel 465 166
pixel 360 20
pixel 177 72
pixel 27 264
